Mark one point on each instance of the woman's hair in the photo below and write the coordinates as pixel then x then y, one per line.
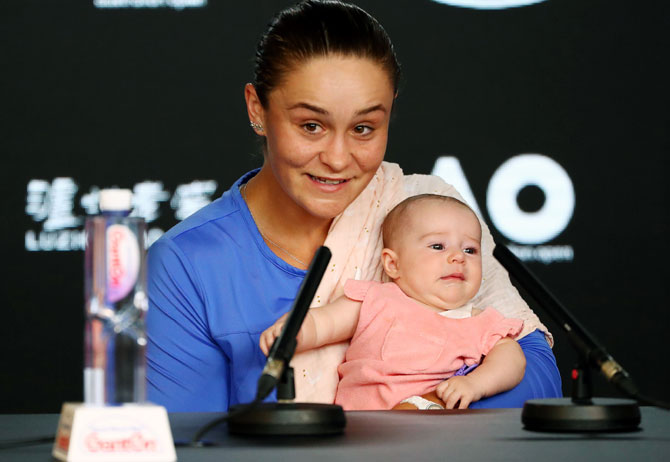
pixel 317 28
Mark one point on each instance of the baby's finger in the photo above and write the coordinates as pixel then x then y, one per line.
pixel 465 402
pixel 276 330
pixel 441 390
pixel 452 400
pixel 269 338
pixel 263 345
pixel 442 387
pixel 445 397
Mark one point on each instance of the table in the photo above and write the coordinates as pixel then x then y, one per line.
pixel 407 436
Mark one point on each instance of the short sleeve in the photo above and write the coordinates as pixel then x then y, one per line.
pixel 357 290
pixel 495 327
pixel 373 297
pixel 181 356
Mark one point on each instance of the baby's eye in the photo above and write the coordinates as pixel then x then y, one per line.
pixel 362 130
pixel 436 246
pixel 470 250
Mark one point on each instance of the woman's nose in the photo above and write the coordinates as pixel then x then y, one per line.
pixel 336 154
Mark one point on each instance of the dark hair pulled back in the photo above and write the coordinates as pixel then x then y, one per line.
pixel 316 28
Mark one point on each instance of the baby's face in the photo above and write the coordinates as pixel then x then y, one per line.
pixel 438 254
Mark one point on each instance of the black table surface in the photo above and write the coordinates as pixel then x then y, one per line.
pixel 408 436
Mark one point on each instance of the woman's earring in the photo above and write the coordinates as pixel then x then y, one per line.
pixel 256 126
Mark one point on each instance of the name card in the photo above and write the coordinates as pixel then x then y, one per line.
pixel 138 432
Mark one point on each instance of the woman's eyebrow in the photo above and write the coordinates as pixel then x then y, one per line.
pixel 309 107
pixel 317 109
pixel 367 110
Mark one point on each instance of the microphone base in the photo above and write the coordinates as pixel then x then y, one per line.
pixel 564 415
pixel 289 419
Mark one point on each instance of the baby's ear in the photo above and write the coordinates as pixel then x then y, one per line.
pixel 390 263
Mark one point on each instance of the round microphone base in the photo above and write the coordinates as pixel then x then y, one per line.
pixel 564 415
pixel 289 419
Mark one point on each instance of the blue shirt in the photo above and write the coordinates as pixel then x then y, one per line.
pixel 215 286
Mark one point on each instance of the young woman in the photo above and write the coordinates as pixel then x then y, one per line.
pixel 325 80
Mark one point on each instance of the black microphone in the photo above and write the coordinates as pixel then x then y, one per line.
pixel 285 418
pixel 591 350
pixel 283 348
pixel 582 413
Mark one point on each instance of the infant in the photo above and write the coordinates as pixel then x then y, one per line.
pixel 413 339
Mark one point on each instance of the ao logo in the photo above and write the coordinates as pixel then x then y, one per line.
pixel 488 4
pixel 504 187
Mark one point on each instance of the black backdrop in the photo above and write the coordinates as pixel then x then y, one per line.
pixel 95 97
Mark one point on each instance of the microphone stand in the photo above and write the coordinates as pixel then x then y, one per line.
pixel 286 417
pixel 581 412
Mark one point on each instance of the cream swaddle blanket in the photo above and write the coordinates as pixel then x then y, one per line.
pixel 355 241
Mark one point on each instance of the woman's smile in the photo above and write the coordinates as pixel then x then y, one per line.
pixel 328 185
pixel 323 180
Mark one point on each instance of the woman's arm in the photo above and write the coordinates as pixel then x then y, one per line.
pixel 324 325
pixel 502 369
pixel 186 370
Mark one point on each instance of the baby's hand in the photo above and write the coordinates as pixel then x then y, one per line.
pixel 271 333
pixel 458 392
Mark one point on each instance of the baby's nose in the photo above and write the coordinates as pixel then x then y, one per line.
pixel 456 256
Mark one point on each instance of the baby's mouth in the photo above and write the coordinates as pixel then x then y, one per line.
pixel 456 276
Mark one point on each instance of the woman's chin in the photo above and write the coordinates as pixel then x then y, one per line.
pixel 326 208
pixel 326 211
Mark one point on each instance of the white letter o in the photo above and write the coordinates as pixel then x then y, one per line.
pixel 510 178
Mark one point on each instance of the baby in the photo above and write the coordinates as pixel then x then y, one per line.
pixel 409 335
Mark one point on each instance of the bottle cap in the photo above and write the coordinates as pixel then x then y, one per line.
pixel 116 200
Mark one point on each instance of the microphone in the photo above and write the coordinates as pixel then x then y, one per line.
pixel 283 348
pixel 594 353
pixel 581 413
pixel 286 417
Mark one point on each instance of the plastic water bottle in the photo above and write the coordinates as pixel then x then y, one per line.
pixel 116 303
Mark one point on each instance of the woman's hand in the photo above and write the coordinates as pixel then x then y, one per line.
pixel 271 333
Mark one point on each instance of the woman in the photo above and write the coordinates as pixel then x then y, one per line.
pixel 325 80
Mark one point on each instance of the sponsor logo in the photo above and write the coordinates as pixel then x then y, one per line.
pixel 123 262
pixel 175 4
pixel 538 226
pixel 134 442
pixel 119 435
pixel 60 209
pixel 488 4
pixel 526 229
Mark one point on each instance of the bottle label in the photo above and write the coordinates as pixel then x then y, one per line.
pixel 123 262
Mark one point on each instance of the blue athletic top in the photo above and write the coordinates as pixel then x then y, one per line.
pixel 215 286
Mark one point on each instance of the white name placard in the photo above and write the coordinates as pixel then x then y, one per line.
pixel 138 432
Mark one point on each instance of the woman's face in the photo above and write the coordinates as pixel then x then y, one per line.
pixel 326 126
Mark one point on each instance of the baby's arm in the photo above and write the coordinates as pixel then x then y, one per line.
pixel 331 323
pixel 502 369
